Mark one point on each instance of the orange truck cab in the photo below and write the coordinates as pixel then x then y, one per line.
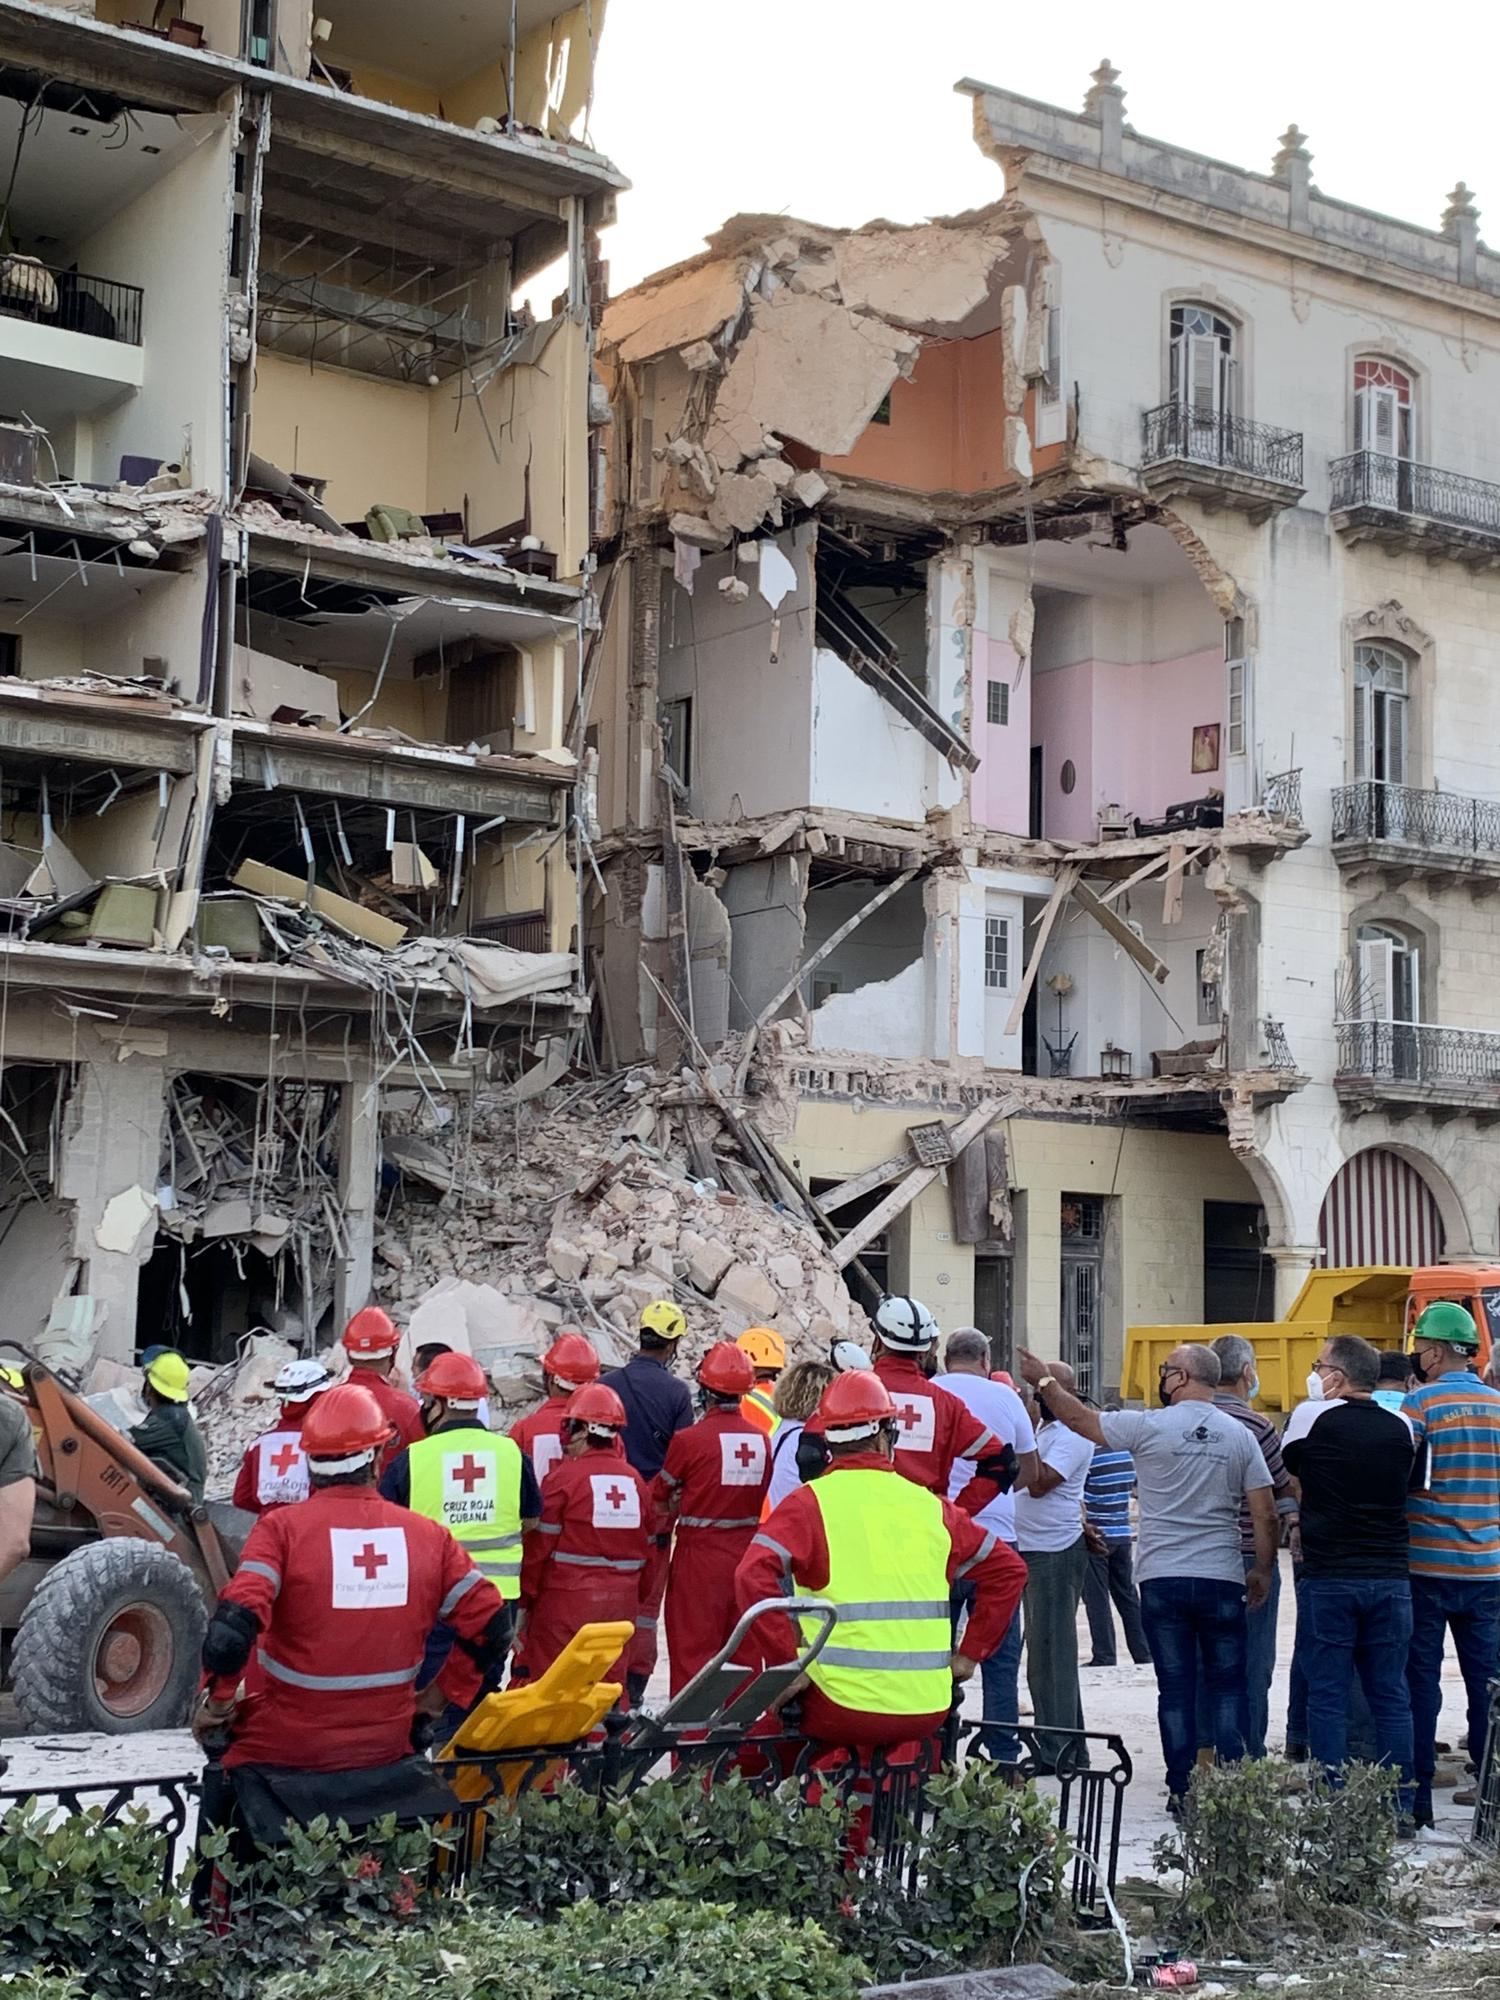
pixel 1476 1286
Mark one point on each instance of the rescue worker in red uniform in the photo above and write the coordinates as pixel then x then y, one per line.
pixel 709 1491
pixel 568 1364
pixel 370 1342
pixel 932 1427
pixel 884 1551
pixel 586 1562
pixel 335 1599
pixel 766 1351
pixel 273 1472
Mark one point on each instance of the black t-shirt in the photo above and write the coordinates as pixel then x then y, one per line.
pixel 1353 1460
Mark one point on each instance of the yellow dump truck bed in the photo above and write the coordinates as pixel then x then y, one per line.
pixel 1367 1301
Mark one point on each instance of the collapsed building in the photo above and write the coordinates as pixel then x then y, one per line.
pixel 976 680
pixel 294 589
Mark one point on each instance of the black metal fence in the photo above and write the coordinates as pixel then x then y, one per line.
pixel 1373 810
pixel 893 1796
pixel 1486 1828
pixel 1281 796
pixel 1411 1052
pixel 1278 1048
pixel 73 300
pixel 1174 431
pixel 1400 486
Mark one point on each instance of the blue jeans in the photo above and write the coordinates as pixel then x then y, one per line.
pixel 1260 1664
pixel 1358 1626
pixel 1362 1748
pixel 1196 1625
pixel 999 1678
pixel 1471 1611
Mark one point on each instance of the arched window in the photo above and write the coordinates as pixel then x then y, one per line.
pixel 1202 362
pixel 1381 693
pixel 1383 405
pixel 1388 974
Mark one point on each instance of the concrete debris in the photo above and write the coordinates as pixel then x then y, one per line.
pixel 234 1404
pixel 578 1209
pixel 124 1220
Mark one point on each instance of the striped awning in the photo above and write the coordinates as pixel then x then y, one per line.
pixel 1379 1210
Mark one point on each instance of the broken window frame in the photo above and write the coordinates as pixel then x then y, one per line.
pixel 1210 997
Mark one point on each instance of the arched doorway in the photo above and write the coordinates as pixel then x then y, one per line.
pixel 1380 1210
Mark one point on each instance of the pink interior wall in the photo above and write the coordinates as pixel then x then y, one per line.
pixel 1129 733
pixel 999 789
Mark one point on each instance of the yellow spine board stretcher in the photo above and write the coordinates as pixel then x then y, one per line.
pixel 563 1706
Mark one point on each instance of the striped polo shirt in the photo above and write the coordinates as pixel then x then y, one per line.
pixel 1455 1516
pixel 1107 1491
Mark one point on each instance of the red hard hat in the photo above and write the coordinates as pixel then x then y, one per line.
pixel 571 1358
pixel 1002 1375
pixel 853 1402
pixel 344 1422
pixel 598 1406
pixel 727 1370
pixel 457 1378
pixel 370 1332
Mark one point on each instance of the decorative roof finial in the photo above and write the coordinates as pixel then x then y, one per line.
pixel 1293 147
pixel 1106 83
pixel 1461 208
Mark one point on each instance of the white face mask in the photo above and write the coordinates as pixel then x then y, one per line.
pixel 1314 1386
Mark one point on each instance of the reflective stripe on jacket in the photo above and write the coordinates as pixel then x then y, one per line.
pixel 888 1550
pixel 469 1480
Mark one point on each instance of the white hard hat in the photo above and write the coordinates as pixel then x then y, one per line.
pixel 300 1381
pixel 848 1358
pixel 906 1324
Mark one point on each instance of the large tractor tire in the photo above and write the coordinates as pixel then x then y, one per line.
pixel 110 1641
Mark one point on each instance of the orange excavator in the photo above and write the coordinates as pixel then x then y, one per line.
pixel 102 1624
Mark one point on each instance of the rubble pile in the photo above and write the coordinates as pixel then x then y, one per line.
pixel 578 1209
pixel 235 1403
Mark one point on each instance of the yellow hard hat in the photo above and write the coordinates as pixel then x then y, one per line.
pixel 663 1319
pixel 12 1378
pixel 765 1347
pixel 168 1376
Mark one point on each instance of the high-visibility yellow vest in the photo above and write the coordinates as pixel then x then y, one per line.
pixel 470 1480
pixel 888 1552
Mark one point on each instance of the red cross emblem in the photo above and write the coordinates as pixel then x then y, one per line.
pixel 371 1561
pixel 615 1496
pixel 468 1473
pixel 283 1461
pixel 907 1417
pixel 747 1455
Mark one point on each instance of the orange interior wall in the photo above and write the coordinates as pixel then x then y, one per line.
pixel 947 427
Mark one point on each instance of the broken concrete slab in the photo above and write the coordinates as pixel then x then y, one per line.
pixel 750 1291
pixel 122 1225
pixel 692 306
pixel 930 279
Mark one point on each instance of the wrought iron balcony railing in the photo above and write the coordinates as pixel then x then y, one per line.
pixel 1411 1052
pixel 1173 431
pixel 71 300
pixel 1399 486
pixel 1278 1050
pixel 1447 820
pixel 1281 795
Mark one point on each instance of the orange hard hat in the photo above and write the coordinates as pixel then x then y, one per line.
pixel 370 1333
pixel 853 1405
pixel 765 1347
pixel 725 1369
pixel 571 1359
pixel 344 1428
pixel 457 1378
pixel 597 1406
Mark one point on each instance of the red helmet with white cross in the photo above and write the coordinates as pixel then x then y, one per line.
pixel 571 1361
pixel 727 1370
pixel 343 1430
pixel 457 1378
pixel 854 1406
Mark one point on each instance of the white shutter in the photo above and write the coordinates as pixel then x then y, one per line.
pixel 1406 984
pixel 1227 384
pixel 1379 421
pixel 1374 960
pixel 1203 382
pixel 1394 709
pixel 1364 698
pixel 1236 708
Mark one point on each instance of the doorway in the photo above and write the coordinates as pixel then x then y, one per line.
pixel 1082 1284
pixel 1239 1279
pixel 993 1265
pixel 1034 797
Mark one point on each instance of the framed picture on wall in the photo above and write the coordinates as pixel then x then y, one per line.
pixel 1205 747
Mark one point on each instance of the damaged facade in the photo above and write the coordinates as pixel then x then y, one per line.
pixel 295 514
pixel 1042 678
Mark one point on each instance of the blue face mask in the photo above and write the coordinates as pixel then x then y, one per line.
pixel 1253 1390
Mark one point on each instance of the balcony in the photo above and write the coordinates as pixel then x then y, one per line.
pixel 69 342
pixel 1403 834
pixel 1401 1067
pixel 1221 461
pixel 1403 505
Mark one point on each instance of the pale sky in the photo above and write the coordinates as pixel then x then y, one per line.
pixel 844 110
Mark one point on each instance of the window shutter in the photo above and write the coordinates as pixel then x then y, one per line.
pixel 1363 703
pixel 1228 387
pixel 1375 961
pixel 1236 708
pixel 1378 426
pixel 1203 375
pixel 1394 706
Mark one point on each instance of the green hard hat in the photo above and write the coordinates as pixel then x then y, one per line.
pixel 1448 1323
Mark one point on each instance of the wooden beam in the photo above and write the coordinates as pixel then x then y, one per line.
pixel 906 1191
pixel 1121 932
pixel 1067 879
pixel 1142 874
pixel 784 992
pixel 881 1175
pixel 1171 899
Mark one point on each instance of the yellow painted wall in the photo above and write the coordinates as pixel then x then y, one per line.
pixel 366 437
pixel 1161 1180
pixel 416 707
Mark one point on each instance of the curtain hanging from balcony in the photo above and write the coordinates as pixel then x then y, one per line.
pixel 1379 1210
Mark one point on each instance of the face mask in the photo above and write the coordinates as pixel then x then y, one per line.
pixel 1254 1389
pixel 1418 1368
pixel 1314 1386
pixel 1163 1393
